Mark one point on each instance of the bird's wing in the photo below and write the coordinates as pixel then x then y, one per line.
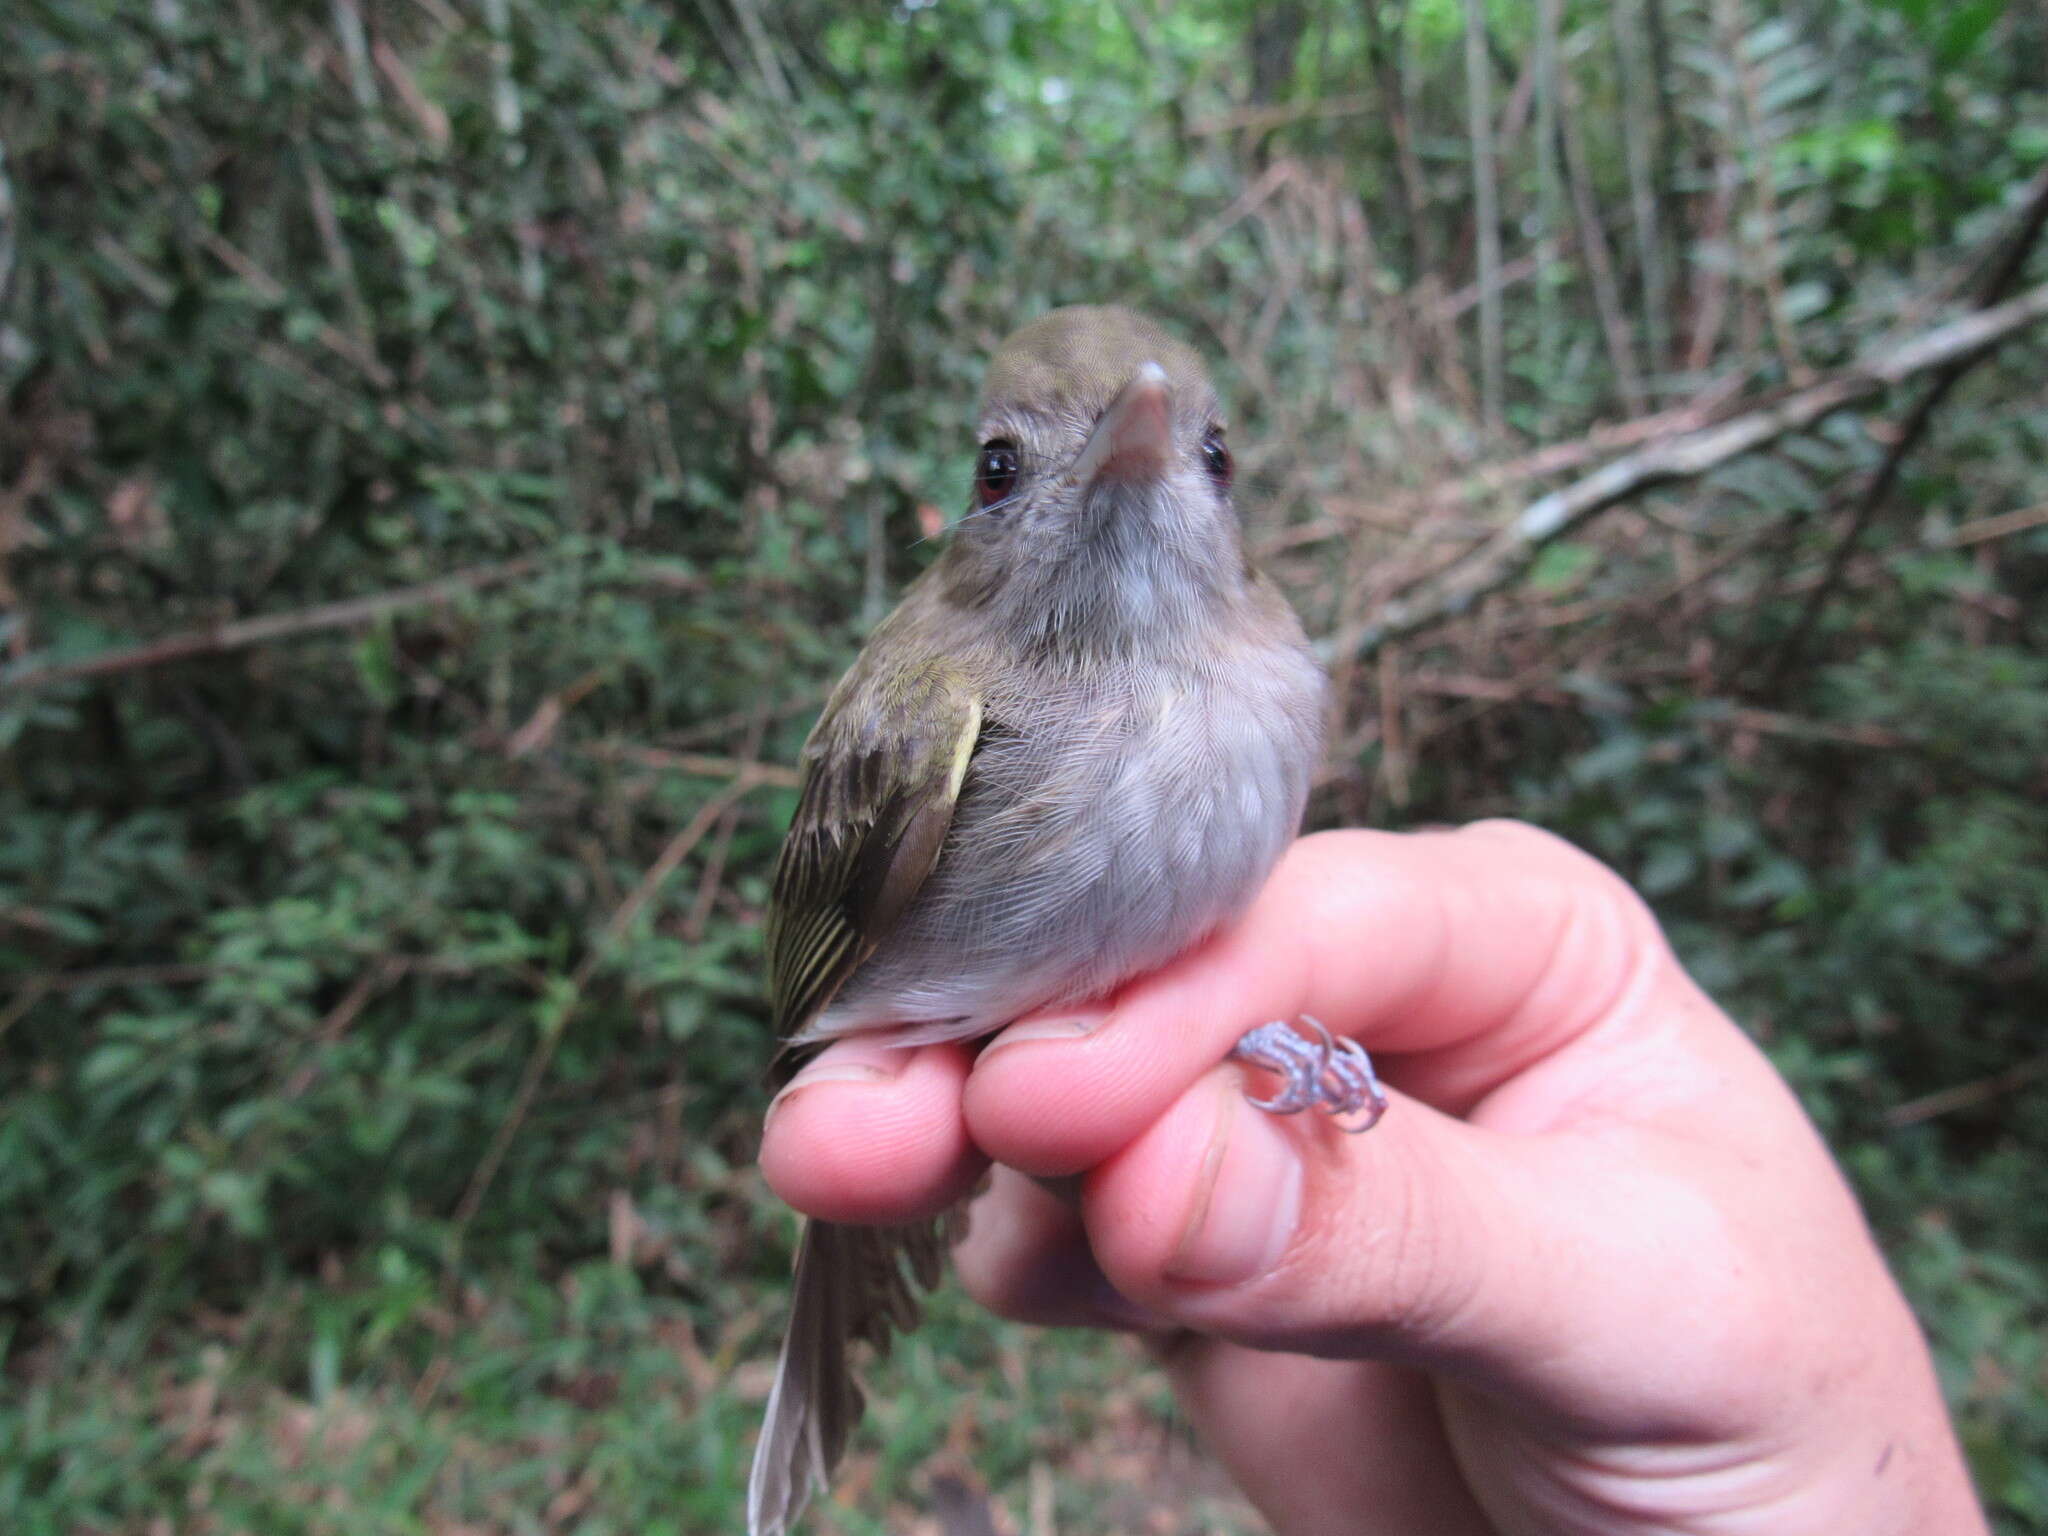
pixel 882 773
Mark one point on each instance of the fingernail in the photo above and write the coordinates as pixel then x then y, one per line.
pixel 1247 1196
pixel 853 1062
pixel 1058 1026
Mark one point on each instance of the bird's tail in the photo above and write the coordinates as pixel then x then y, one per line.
pixel 851 1283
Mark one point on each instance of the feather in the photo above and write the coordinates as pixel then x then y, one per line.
pixel 851 1283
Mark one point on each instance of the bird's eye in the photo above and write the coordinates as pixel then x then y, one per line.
pixel 1216 458
pixel 995 472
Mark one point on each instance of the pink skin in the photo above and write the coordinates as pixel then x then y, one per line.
pixel 1596 1272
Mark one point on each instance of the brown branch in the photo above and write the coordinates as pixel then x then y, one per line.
pixel 714 867
pixel 2000 277
pixel 1500 559
pixel 698 765
pixel 271 291
pixel 1621 350
pixel 1759 722
pixel 1981 529
pixel 1486 214
pixel 240 634
pixel 1262 118
pixel 1750 117
pixel 172 975
pixel 1383 50
pixel 1966 1095
pixel 1557 459
pixel 554 1028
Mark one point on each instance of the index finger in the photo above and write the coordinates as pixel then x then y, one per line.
pixel 1460 958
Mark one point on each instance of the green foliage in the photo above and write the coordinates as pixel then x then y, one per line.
pixel 375 1133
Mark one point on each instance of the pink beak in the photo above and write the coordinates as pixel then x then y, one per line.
pixel 1133 441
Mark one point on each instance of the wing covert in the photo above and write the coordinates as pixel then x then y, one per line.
pixel 882 774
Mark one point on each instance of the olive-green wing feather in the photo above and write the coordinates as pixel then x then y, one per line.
pixel 882 773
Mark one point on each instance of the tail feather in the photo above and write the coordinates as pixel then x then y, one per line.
pixel 851 1283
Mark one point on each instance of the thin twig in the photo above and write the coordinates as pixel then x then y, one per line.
pixel 23 1000
pixel 273 292
pixel 543 1053
pixel 1633 65
pixel 1557 459
pixel 369 982
pixel 1262 118
pixel 1621 350
pixel 1966 1095
pixel 1486 213
pixel 1982 529
pixel 2000 278
pixel 721 849
pixel 699 765
pixel 240 634
pixel 1756 142
pixel 122 976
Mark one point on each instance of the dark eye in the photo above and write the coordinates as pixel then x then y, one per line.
pixel 1216 458
pixel 995 472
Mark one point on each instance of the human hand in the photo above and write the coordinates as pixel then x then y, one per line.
pixel 1596 1271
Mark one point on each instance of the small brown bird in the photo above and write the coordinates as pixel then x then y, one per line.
pixel 1075 749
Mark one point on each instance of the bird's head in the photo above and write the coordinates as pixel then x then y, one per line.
pixel 1100 507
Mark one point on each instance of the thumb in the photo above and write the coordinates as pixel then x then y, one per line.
pixel 1430 1241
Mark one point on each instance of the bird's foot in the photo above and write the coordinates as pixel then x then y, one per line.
pixel 1334 1075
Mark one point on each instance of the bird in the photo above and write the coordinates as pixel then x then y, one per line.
pixel 1075 749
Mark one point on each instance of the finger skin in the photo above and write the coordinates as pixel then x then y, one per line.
pixel 1640 1285
pixel 870 1133
pixel 1323 1445
pixel 894 1151
pixel 1026 1257
pixel 1459 958
pixel 1381 1462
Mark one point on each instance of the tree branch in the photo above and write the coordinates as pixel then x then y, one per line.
pixel 2000 275
pixel 1486 213
pixel 1496 562
pixel 241 634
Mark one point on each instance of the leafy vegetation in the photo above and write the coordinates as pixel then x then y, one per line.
pixel 380 1031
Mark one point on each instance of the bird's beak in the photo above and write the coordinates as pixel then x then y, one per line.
pixel 1133 441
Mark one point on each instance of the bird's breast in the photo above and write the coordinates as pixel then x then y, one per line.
pixel 1105 824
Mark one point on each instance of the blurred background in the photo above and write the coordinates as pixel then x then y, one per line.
pixel 447 448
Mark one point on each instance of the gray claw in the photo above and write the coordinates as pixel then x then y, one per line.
pixel 1334 1075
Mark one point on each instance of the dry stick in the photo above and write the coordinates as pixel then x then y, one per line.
pixel 1486 213
pixel 1382 51
pixel 338 258
pixel 24 999
pixel 271 291
pixel 699 765
pixel 1242 206
pixel 1966 1095
pixel 1260 119
pixel 1599 267
pixel 1985 528
pixel 1504 556
pixel 1771 258
pixel 1549 193
pixel 241 634
pixel 1557 459
pixel 172 975
pixel 1638 140
pixel 1453 305
pixel 1761 722
pixel 2000 277
pixel 543 1053
pixel 714 867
